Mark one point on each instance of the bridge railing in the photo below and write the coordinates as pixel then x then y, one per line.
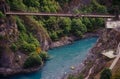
pixel 62 14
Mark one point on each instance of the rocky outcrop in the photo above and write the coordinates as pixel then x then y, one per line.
pixel 9 34
pixel 108 40
pixel 9 71
pixel 68 40
pixel 63 41
pixel 11 62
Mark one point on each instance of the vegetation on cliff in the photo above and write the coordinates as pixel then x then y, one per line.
pixel 107 41
pixel 58 27
pixel 32 32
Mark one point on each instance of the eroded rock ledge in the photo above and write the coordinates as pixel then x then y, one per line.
pixel 68 40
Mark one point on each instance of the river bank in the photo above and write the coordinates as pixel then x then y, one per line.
pixel 70 39
pixel 8 71
pixel 95 61
pixel 62 42
pixel 61 59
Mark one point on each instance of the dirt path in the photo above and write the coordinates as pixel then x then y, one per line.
pixel 90 71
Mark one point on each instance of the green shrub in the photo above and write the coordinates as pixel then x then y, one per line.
pixel 17 5
pixel 20 25
pixel 49 6
pixel 1 15
pixel 72 77
pixel 33 40
pixel 28 47
pixel 32 9
pixel 14 47
pixel 78 33
pixel 65 24
pixel 32 3
pixel 106 74
pixel 80 77
pixel 32 61
pixel 88 24
pixel 29 38
pixel 78 28
pixel 75 77
pixel 23 36
pixel 54 36
pixel 96 7
pixel 43 55
pixel 100 22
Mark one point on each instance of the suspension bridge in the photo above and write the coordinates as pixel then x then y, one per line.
pixel 8 12
pixel 61 14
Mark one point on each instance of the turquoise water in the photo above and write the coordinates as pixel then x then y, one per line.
pixel 62 58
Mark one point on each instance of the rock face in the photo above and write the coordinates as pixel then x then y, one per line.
pixel 95 61
pixel 63 41
pixel 8 35
pixel 12 62
pixel 39 31
pixel 68 40
pixel 109 39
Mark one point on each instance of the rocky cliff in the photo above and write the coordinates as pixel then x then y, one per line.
pixel 15 38
pixel 21 35
pixel 39 31
pixel 95 61
pixel 109 40
pixel 12 57
pixel 8 34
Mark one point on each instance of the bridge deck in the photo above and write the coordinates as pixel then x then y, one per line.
pixel 61 15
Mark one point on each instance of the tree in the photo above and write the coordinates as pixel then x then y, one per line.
pixel 51 23
pixel 78 27
pixel 32 3
pixel 106 74
pixel 53 35
pixel 32 61
pixel 65 25
pixel 62 2
pixel 87 23
pixel 43 55
pixel 27 47
pixel 49 6
pixel 1 15
pixel 17 5
pixel 20 25
pixel 99 22
pixel 14 47
pixel 96 7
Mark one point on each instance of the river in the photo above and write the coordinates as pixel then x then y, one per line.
pixel 61 59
